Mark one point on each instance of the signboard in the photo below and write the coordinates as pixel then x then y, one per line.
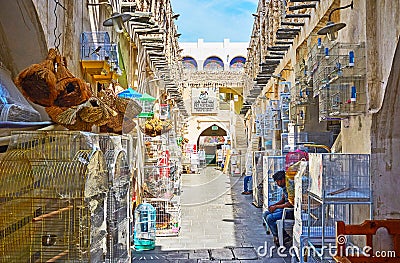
pixel 204 100
pixel 211 140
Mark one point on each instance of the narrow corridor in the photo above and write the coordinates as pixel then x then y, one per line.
pixel 218 224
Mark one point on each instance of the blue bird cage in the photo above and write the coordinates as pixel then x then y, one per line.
pixel 145 227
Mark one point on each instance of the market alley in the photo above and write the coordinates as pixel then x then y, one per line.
pixel 218 223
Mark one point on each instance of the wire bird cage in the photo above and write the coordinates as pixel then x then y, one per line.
pixel 272 119
pixel 291 141
pixel 340 191
pixel 147 103
pixel 257 178
pixel 271 192
pixel 168 216
pixel 343 176
pixel 284 101
pixel 342 80
pixel 53 193
pixel 97 46
pixel 118 204
pixel 316 63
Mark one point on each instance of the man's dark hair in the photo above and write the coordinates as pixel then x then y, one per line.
pixel 279 175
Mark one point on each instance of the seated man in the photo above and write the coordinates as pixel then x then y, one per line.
pixel 275 211
pixel 247 184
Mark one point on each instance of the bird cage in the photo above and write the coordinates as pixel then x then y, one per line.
pixel 272 119
pixel 339 186
pixel 158 182
pixel 271 192
pixel 292 141
pixel 168 215
pixel 164 111
pixel 342 90
pixel 284 102
pixel 97 46
pixel 258 178
pixel 259 123
pixel 118 199
pixel 344 176
pixel 145 227
pixel 53 190
pixel 316 62
pixel 147 103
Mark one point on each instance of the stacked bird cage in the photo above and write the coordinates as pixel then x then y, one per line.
pixel 118 199
pixel 162 190
pixel 316 64
pixel 302 91
pixel 53 192
pixel 342 93
pixel 272 119
pixel 338 192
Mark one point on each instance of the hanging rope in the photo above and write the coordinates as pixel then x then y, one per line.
pixel 57 39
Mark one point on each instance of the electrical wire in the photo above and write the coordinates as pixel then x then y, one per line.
pixel 57 39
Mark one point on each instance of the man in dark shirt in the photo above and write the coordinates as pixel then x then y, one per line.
pixel 275 211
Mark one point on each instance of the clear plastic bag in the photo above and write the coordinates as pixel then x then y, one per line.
pixel 13 106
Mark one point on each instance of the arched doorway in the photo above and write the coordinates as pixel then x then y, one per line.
pixel 210 140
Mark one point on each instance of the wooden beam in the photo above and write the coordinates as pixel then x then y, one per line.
pixel 297 16
pixel 299 7
pixel 287 23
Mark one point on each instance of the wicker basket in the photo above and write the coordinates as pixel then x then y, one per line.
pixel 75 122
pixel 155 127
pixel 38 81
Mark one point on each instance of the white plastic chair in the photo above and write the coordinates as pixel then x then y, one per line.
pixel 285 224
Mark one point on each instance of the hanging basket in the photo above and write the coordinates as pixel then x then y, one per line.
pixel 38 81
pixel 155 127
pixel 96 111
pixel 73 91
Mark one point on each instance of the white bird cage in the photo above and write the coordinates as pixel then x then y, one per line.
pixel 271 192
pixel 168 215
pixel 339 190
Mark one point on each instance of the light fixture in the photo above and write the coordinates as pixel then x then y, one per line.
pixel 117 20
pixel 331 29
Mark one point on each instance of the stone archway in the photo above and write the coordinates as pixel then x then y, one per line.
pixel 210 140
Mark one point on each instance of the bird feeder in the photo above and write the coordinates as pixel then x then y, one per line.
pixel 147 103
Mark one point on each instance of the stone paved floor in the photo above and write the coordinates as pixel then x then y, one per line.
pixel 218 224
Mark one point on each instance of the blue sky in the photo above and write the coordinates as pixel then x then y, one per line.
pixel 214 20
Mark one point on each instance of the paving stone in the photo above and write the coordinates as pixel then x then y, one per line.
pixel 199 254
pixel 244 253
pixel 221 254
pixel 177 256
